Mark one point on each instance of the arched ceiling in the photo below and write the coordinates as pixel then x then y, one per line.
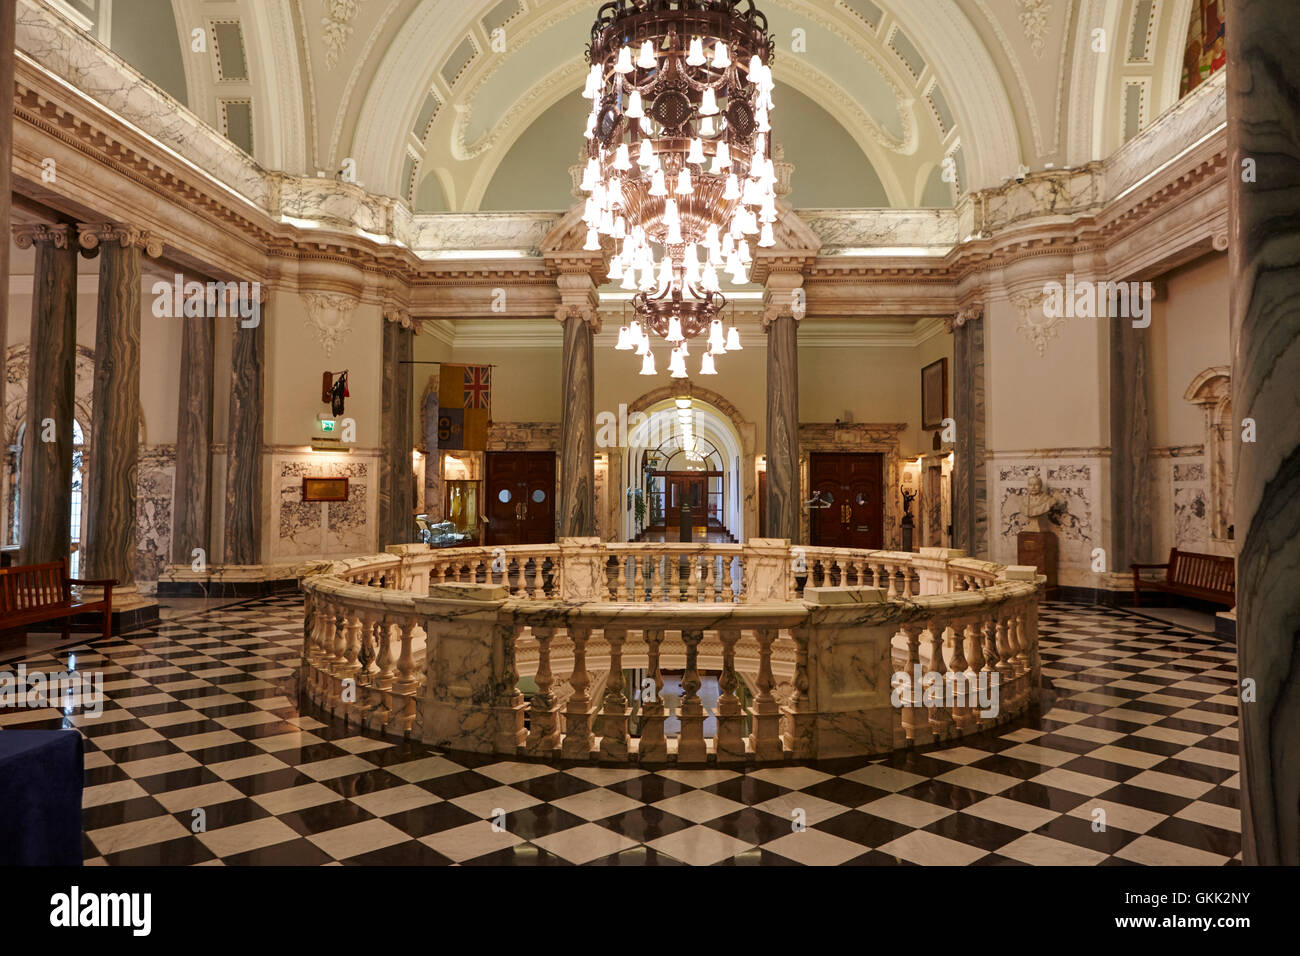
pixel 460 105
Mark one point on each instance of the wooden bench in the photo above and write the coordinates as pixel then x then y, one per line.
pixel 30 594
pixel 1209 577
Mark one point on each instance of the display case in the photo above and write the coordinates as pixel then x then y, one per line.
pixel 461 506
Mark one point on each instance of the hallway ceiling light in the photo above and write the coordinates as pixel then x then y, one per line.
pixel 693 108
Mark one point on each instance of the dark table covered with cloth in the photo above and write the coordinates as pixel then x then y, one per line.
pixel 41 774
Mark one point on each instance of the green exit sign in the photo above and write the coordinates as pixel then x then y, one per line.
pixel 327 424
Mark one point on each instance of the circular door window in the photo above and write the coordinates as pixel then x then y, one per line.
pixel 828 497
pixel 862 498
pixel 504 496
pixel 539 496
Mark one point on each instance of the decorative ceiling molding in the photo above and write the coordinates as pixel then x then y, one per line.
pixel 363 59
pixel 337 26
pixel 1033 20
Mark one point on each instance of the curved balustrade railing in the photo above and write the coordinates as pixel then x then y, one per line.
pixel 746 652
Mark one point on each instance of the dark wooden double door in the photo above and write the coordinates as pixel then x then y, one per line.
pixel 520 497
pixel 849 510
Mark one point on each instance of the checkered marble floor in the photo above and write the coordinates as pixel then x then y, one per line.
pixel 203 726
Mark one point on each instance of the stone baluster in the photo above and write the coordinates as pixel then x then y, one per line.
pixel 658 569
pixel 802 718
pixel 615 711
pixel 730 741
pixel 691 747
pixel 940 715
pixel 766 735
pixel 907 580
pixel 384 660
pixel 543 714
pixel 910 691
pixel 728 583
pixel 407 682
pixel 621 593
pixel 875 574
pixel 508 703
pixel 654 745
pixel 710 571
pixel 339 654
pixel 366 650
pixel 578 737
pixel 955 679
pixel 539 580
pixel 350 667
pixel 975 664
pixel 892 573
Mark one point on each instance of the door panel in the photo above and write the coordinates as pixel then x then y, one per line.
pixel 520 498
pixel 850 485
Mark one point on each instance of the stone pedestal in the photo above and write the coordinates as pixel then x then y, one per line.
pixel 46 480
pixel 691 745
pixel 611 725
pixel 1039 549
pixel 765 738
pixel 579 740
pixel 729 744
pixel 544 729
pixel 654 744
pixel 582 576
pixel 1264 125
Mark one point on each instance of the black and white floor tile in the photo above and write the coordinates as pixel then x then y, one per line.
pixel 203 756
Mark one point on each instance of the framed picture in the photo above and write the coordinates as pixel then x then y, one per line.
pixel 934 395
pixel 324 489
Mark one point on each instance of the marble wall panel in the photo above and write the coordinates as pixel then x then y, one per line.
pixel 324 529
pixel 155 487
pixel 1078 527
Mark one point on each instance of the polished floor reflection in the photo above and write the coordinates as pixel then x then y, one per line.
pixel 203 756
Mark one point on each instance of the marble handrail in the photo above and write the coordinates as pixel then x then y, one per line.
pixel 815 652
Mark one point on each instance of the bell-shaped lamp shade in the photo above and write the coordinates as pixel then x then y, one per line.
pixel 624 340
pixel 733 340
pixel 708 127
pixel 768 239
pixel 695 57
pixel 666 274
pixel 720 58
pixel 684 185
pixel 593 241
pixel 635 109
pixel 622 161
pixel 646 158
pixel 616 273
pixel 709 102
pixel 658 187
pixel 732 190
pixel 674 330
pixel 646 60
pixel 706 365
pixel 624 64
pixel 677 365
pixel 675 237
pixel 716 341
pixel 696 154
pixel 648 363
pixel 629 280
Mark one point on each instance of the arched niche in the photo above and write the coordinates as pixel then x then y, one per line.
pixel 1211 389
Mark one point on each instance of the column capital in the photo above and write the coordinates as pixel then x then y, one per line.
pixel 91 235
pixel 27 234
pixel 971 313
pixel 578 299
pixel 401 316
pixel 784 295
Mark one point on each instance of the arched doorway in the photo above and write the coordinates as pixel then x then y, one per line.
pixel 686 447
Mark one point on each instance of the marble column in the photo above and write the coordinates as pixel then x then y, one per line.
pixel 110 542
pixel 7 14
pixel 1130 447
pixel 396 472
pixel 970 514
pixel 1264 126
pixel 780 322
pixel 192 498
pixel 46 481
pixel 243 526
pixel 581 320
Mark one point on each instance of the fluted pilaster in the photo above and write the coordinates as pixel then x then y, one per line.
pixel 1264 126
pixel 46 482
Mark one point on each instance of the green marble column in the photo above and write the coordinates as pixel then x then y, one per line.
pixel 46 483
pixel 192 498
pixel 396 472
pixel 243 530
pixel 783 493
pixel 578 427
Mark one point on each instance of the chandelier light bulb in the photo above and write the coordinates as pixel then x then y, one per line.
pixel 720 59
pixel 622 161
pixel 684 185
pixel 648 364
pixel 716 341
pixel 635 108
pixel 708 127
pixel 696 153
pixel 591 127
pixel 733 340
pixel 674 237
pixel 647 156
pixel 616 273
pixel 624 342
pixel 677 365
pixel 593 241
pixel 624 64
pixel 695 57
pixel 671 214
pixel 658 187
pixel 666 275
pixel 732 190
pixel 706 365
pixel 767 240
pixel 709 281
pixel 674 330
pixel 647 58
pixel 709 104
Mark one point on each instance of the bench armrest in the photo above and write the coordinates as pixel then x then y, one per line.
pixel 107 583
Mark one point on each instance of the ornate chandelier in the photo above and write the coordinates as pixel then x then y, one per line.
pixel 680 158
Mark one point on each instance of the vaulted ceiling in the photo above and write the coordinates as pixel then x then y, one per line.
pixel 458 105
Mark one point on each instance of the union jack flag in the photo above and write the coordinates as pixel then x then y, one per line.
pixel 478 386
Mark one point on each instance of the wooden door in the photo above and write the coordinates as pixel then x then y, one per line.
pixel 520 497
pixel 849 488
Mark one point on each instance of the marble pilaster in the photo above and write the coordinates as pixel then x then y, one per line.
pixel 110 540
pixel 781 317
pixel 243 528
pixel 51 387
pixel 396 474
pixel 969 487
pixel 1130 446
pixel 192 499
pixel 1264 125
pixel 7 14
pixel 580 317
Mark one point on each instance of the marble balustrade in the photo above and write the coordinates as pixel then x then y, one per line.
pixel 806 645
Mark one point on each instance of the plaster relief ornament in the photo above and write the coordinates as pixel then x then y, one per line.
pixel 1035 324
pixel 337 26
pixel 1033 20
pixel 329 317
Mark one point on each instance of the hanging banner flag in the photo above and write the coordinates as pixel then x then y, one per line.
pixel 464 406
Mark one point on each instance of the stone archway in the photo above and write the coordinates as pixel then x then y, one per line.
pixel 745 431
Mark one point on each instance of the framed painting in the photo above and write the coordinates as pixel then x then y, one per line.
pixel 934 395
pixel 324 489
